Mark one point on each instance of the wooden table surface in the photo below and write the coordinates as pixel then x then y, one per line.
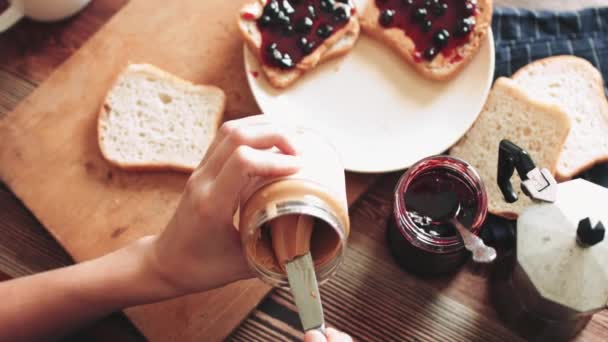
pixel 30 51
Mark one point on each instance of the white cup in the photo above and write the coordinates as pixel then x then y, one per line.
pixel 40 10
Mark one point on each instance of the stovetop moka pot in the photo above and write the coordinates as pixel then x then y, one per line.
pixel 558 276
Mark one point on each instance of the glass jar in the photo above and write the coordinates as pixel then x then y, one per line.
pixel 418 245
pixel 317 190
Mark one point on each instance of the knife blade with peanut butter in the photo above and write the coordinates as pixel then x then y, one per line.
pixel 291 235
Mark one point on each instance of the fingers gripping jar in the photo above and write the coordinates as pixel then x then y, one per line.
pixel 318 190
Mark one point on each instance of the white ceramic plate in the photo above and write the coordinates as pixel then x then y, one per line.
pixel 379 113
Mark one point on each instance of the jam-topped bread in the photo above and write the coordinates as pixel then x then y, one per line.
pixel 437 37
pixel 290 37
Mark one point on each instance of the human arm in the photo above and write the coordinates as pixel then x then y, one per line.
pixel 197 251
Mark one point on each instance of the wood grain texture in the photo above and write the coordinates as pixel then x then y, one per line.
pixel 33 50
pixel 374 300
pixel 4 276
pixel 15 87
pixel 92 208
pixel 32 248
pixel 25 246
pixel 25 62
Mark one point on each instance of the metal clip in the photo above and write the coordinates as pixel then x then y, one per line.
pixel 540 185
pixel 537 184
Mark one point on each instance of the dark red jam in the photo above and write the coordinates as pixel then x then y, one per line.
pixel 417 260
pixel 292 29
pixel 435 189
pixel 433 25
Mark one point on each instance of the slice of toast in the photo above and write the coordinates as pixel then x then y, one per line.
pixel 152 120
pixel 441 67
pixel 578 88
pixel 338 44
pixel 509 113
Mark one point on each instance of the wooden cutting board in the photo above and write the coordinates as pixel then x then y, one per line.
pixel 49 155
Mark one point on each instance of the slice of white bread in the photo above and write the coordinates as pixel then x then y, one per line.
pixel 509 113
pixel 338 44
pixel 440 68
pixel 152 120
pixel 578 88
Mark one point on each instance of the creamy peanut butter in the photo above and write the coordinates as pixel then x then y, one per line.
pixel 291 235
pixel 285 217
pixel 325 240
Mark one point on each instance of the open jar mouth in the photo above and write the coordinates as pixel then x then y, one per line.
pixel 458 171
pixel 325 267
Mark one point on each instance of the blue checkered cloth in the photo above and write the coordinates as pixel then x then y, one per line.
pixel 522 36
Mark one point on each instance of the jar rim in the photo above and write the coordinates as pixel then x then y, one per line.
pixel 410 230
pixel 311 206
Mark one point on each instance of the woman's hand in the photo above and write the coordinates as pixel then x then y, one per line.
pixel 200 249
pixel 331 335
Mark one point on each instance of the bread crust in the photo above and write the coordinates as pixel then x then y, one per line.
pixel 157 73
pixel 559 115
pixel 440 68
pixel 599 89
pixel 280 78
pixel 510 87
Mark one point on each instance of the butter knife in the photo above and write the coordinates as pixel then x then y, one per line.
pixel 305 290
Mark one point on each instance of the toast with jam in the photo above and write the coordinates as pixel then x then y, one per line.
pixel 437 37
pixel 290 37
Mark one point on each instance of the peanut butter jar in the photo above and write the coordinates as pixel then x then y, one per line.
pixel 318 190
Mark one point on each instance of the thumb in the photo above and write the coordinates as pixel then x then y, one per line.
pixel 314 336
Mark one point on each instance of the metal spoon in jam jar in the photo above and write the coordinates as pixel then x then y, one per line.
pixel 446 209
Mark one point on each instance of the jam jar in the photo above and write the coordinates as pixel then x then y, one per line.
pixel 420 245
pixel 318 190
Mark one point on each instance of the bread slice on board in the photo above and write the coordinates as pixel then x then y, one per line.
pixel 510 113
pixel 441 67
pixel 338 44
pixel 578 88
pixel 152 120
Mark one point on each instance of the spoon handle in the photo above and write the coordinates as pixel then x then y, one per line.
pixel 473 243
